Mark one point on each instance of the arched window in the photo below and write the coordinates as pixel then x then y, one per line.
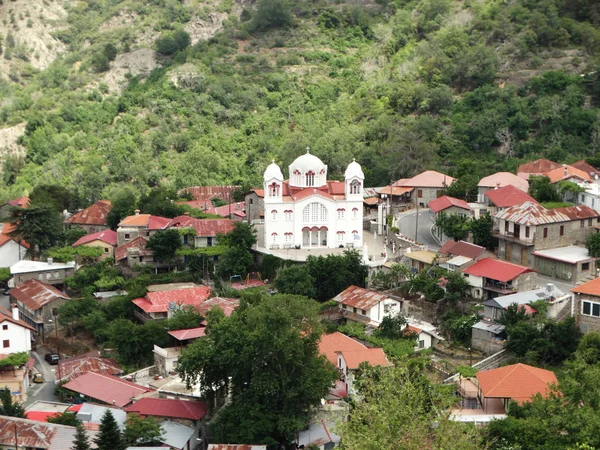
pixel 354 213
pixel 310 178
pixel 288 237
pixel 341 235
pixel 274 238
pixel 274 214
pixel 341 213
pixel 314 213
pixel 355 235
pixel 274 190
pixel 288 214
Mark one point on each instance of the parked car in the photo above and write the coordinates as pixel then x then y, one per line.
pixel 38 378
pixel 5 291
pixel 52 358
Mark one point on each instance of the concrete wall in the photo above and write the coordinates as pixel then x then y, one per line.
pixel 587 324
pixel 563 270
pixel 482 340
pixel 54 277
pixel 18 337
pixel 11 253
pixel 427 194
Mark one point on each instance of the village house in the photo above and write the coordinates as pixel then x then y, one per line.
pixel 449 205
pixel 91 219
pixel 234 211
pixel 366 306
pixel 16 379
pixel 500 180
pixel 487 396
pixel 207 230
pixel 144 225
pixel 504 197
pixel 166 358
pixel 134 252
pixel 587 306
pixel 491 278
pixel 204 195
pixel 11 250
pixel 255 206
pixel 427 335
pixel 107 389
pixel 32 434
pixel 236 447
pixel 572 263
pixel 590 197
pixel 105 240
pixel 70 368
pixel 422 188
pixel 420 259
pixel 6 208
pixel 456 256
pixel 539 167
pixel 529 227
pixel 160 305
pixel 567 173
pixel 49 272
pixel 15 334
pixel 587 168
pixel 37 301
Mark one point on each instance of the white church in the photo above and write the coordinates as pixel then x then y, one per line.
pixel 308 211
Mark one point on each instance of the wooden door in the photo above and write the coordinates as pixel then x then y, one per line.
pixel 508 253
pixel 524 254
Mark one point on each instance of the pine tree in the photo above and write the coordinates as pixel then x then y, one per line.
pixel 8 407
pixel 109 437
pixel 81 441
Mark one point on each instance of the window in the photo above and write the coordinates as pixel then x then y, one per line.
pixel 545 232
pixel 526 232
pixel 5 327
pixel 6 343
pixel 48 275
pixel 589 222
pixel 506 227
pixel 355 187
pixel 420 193
pixel 341 236
pixel 274 190
pixel 355 310
pixel 341 213
pixel 106 250
pixel 288 214
pixel 562 230
pixel 274 214
pixel 310 178
pixel 582 223
pixel 355 235
pixel 127 236
pixel 274 238
pixel 354 213
pixel 147 234
pixel 421 344
pixel 585 266
pixel 314 213
pixel 364 313
pixel 590 309
pixel 288 237
pixel 582 198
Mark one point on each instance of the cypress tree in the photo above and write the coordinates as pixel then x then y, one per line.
pixel 109 437
pixel 81 441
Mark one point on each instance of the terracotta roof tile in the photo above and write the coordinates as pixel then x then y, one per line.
pixel 95 214
pixel 589 288
pixel 429 178
pixel 445 202
pixel 107 236
pixel 8 228
pixel 147 221
pixel 372 356
pixel 188 333
pixel 518 381
pixel 6 315
pixel 227 305
pixel 73 367
pixel 537 167
pixel 21 202
pixel 337 342
pixel 395 190
pixel 106 388
pixel 34 294
pixel 567 172
pixel 233 208
pixel 508 196
pixel 502 179
pixel 496 270
pixel 461 248
pixel 159 301
pixel 137 242
pixel 167 407
pixel 360 298
pixel 203 227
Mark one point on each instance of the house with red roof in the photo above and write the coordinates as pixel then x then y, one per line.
pixel 234 211
pixel 71 368
pixel 161 305
pixel 366 306
pixel 36 300
pixel 104 239
pixel 207 230
pixel 499 180
pixel 536 168
pixel 587 168
pixel 11 250
pixel 449 205
pixel 458 255
pixel 6 208
pixel 186 412
pixel 107 389
pixel 424 188
pixel 491 278
pixel 144 225
pixel 15 334
pixel 91 219
pixel 505 197
pixel 529 227
pixel 587 306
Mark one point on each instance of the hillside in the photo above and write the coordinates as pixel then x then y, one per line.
pixel 466 87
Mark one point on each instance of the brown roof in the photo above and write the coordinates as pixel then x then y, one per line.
pixel 360 298
pixel 589 288
pixel 530 213
pixel 395 190
pixel 201 193
pixel 462 248
pixel 73 367
pixel 203 227
pixel 335 342
pixel 585 167
pixel 566 172
pixel 502 179
pixel 518 382
pixel 106 388
pixel 372 356
pixel 537 167
pixel 169 407
pixel 227 305
pixel 496 270
pixel 371 201
pixel 34 434
pixel 429 178
pixel 147 221
pixel 445 202
pixel 92 215
pixel 6 315
pixel 137 242
pixel 508 196
pixel 34 294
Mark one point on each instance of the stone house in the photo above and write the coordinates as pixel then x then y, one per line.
pixel 536 168
pixel 424 187
pixel 105 239
pixel 91 219
pixel 49 272
pixel 498 199
pixel 366 306
pixel 449 205
pixel 530 227
pixel 491 278
pixel 207 230
pixel 421 260
pixel 255 206
pixel 161 305
pixel 500 180
pixel 572 263
pixel 587 306
pixel 144 225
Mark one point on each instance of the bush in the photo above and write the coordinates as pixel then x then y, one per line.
pixel 170 43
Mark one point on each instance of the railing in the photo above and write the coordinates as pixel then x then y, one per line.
pixel 509 235
pixel 502 289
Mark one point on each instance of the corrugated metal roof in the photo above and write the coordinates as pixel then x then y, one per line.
pixel 167 407
pixel 566 172
pixel 34 434
pixel 233 208
pixel 26 266
pixel 227 305
pixel 496 270
pixel 537 167
pixel 176 435
pixel 518 382
pixel 138 242
pixel 146 221
pixel 73 367
pixel 107 236
pixel 508 196
pixel 423 256
pixel 159 301
pixel 106 388
pixel 95 214
pixel 445 202
pixel 360 298
pixel 530 213
pixel 34 294
pixel 203 227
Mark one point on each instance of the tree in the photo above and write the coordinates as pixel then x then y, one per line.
pixel 123 205
pixel 400 409
pixel 455 226
pixel 8 407
pixel 39 226
pixel 65 418
pixel 142 431
pixel 482 229
pixel 109 436
pixel 237 258
pixel 296 280
pixel 266 357
pixel 543 190
pixel 186 317
pixel 134 343
pixel 391 327
pixel 165 243
pixel 593 245
pixel 110 51
pixel 160 201
pixel 273 14
pixel 53 195
pixel 82 441
pixel 170 43
pixel 334 273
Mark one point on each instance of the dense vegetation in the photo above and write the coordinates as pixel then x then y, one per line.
pixel 401 86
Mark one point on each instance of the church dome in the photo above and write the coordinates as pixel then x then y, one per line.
pixel 273 171
pixel 308 162
pixel 354 170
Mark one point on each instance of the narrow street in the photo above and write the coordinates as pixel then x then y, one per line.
pixel 407 224
pixel 43 391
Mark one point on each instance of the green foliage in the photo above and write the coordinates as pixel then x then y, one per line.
pixel 466 371
pixel 134 343
pixel 458 327
pixel 334 273
pixel 109 436
pixel 277 372
pixel 392 278
pixel 82 441
pixel 237 258
pixel 142 431
pixel 455 226
pixel 40 226
pixel 273 14
pixel 15 360
pixel 186 317
pixel 391 327
pixel 8 407
pixel 65 418
pixel 269 266
pixel 98 276
pixel 4 274
pixel 172 42
pixel 395 349
pixel 554 205
pixel 482 229
pixel 593 245
pixel 296 280
pixel 165 244
pixel 543 190
pixel 123 205
pixel 55 196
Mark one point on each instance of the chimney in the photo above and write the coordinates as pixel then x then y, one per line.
pixel 15 311
pixel 549 290
pixel 566 171
pixel 137 212
pixel 50 261
pixel 497 185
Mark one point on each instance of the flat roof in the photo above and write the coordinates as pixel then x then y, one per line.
pixel 489 326
pixel 459 260
pixel 572 254
pixel 25 266
pixel 424 256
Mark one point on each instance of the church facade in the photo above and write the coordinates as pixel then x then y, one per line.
pixel 308 211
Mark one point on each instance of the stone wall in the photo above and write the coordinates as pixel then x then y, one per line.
pixel 587 324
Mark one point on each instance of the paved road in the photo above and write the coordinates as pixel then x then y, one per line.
pixel 4 301
pixel 564 286
pixel 43 391
pixel 407 223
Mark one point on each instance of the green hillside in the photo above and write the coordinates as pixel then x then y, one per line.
pixel 467 87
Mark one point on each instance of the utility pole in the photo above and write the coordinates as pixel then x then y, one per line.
pixel 55 314
pixel 417 217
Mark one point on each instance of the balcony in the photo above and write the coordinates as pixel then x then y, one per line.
pixel 500 288
pixel 511 237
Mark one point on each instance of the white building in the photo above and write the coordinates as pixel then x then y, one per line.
pixel 15 335
pixel 11 251
pixel 307 211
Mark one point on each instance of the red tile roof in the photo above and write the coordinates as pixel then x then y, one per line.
pixel 589 288
pixel 304 193
pixel 202 193
pixel 203 227
pixel 508 196
pixel 360 298
pixel 566 172
pixel 107 236
pixel 496 270
pixel 5 235
pixel 429 178
pixel 461 248
pixel 20 202
pixel 138 242
pixel 372 356
pixel 34 294
pixel 224 211
pixel 585 167
pixel 146 221
pixel 395 190
pixel 445 202
pixel 166 407
pixel 518 382
pixel 106 388
pixel 6 316
pixel 502 179
pixel 188 333
pixel 227 305
pixel 336 187
pixel 73 367
pixel 371 201
pixel 537 167
pixel 95 214
pixel 259 192
pixel 530 213
pixel 236 447
pixel 159 301
pixel 337 342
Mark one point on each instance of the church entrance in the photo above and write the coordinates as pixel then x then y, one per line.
pixel 314 237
